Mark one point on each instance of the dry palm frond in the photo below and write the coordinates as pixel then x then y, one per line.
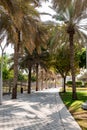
pixel 41 34
pixel 22 17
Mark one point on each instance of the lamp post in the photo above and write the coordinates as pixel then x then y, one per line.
pixel 1 78
pixel 1 68
pixel 84 105
pixel 86 56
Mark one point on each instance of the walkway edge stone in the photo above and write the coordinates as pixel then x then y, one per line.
pixel 67 119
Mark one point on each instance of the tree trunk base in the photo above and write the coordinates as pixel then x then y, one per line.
pixel 29 91
pixel 14 94
pixel 74 96
pixel 63 91
pixel 36 89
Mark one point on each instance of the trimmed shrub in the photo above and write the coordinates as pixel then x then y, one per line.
pixel 69 83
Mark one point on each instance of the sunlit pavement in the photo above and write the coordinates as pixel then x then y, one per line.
pixel 43 110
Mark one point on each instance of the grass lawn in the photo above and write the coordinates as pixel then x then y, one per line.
pixel 74 106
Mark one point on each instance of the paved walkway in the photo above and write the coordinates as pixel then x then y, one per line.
pixel 37 111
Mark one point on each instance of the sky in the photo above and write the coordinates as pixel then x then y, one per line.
pixel 8 49
pixel 44 8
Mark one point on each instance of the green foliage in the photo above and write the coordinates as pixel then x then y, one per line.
pixel 67 98
pixel 69 83
pixel 11 75
pixel 79 83
pixel 62 61
pixel 22 77
pixel 82 57
pixel 33 78
pixel 7 73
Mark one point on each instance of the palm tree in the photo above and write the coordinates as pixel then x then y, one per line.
pixel 39 53
pixel 28 30
pixel 73 16
pixel 23 20
pixel 36 57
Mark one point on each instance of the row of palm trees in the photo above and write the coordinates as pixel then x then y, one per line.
pixel 33 61
pixel 22 24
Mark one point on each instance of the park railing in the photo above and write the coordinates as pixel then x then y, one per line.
pixel 23 86
pixel 8 85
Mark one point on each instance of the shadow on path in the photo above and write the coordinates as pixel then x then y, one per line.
pixel 37 111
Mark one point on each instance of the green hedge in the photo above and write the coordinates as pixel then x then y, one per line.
pixel 85 84
pixel 78 83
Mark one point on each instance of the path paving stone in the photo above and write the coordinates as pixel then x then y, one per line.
pixel 43 110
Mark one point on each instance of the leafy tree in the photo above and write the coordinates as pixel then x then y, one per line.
pixel 62 63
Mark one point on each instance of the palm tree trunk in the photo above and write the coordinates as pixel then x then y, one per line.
pixel 74 94
pixel 37 77
pixel 1 79
pixel 16 56
pixel 64 84
pixel 14 91
pixel 42 80
pixel 29 80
